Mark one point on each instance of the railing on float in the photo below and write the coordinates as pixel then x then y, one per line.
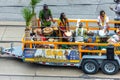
pixel 79 44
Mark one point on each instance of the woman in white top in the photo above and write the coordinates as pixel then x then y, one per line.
pixel 102 21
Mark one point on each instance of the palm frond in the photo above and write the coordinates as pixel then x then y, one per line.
pixel 33 3
pixel 27 15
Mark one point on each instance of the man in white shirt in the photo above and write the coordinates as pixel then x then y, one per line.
pixel 117 9
pixel 117 12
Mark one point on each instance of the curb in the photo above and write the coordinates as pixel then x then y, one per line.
pixel 11 41
pixel 12 23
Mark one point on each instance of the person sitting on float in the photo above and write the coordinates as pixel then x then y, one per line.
pixel 102 22
pixel 40 36
pixel 80 32
pixel 90 39
pixel 115 38
pixel 37 35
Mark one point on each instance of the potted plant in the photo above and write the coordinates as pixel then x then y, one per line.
pixel 33 4
pixel 27 15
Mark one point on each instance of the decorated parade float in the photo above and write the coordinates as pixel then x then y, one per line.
pixel 95 51
pixel 92 50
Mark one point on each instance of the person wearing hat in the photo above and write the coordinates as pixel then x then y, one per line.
pixel 45 16
pixel 80 32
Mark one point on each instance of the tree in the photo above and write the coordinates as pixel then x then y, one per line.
pixel 33 4
pixel 27 14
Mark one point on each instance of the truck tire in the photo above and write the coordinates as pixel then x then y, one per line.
pixel 110 67
pixel 90 66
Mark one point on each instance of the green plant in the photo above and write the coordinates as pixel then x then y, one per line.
pixel 27 14
pixel 33 4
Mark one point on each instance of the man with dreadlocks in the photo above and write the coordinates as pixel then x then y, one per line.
pixel 63 25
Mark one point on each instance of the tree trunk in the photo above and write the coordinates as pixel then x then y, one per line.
pixel 34 21
pixel 27 37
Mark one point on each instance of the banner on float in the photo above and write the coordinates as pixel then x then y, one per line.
pixel 51 55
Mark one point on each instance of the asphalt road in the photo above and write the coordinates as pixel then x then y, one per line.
pixel 16 69
pixel 13 68
pixel 11 10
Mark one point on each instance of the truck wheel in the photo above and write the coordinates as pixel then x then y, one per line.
pixel 90 66
pixel 110 67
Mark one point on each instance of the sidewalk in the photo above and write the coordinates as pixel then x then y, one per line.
pixel 10 33
pixel 12 23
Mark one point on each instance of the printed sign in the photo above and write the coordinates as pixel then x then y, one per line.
pixel 52 55
pixel 56 55
pixel 29 53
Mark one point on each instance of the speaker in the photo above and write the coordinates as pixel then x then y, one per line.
pixel 110 52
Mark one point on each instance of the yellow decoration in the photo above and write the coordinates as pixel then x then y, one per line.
pixel 48 52
pixel 103 20
pixel 54 52
pixel 60 53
